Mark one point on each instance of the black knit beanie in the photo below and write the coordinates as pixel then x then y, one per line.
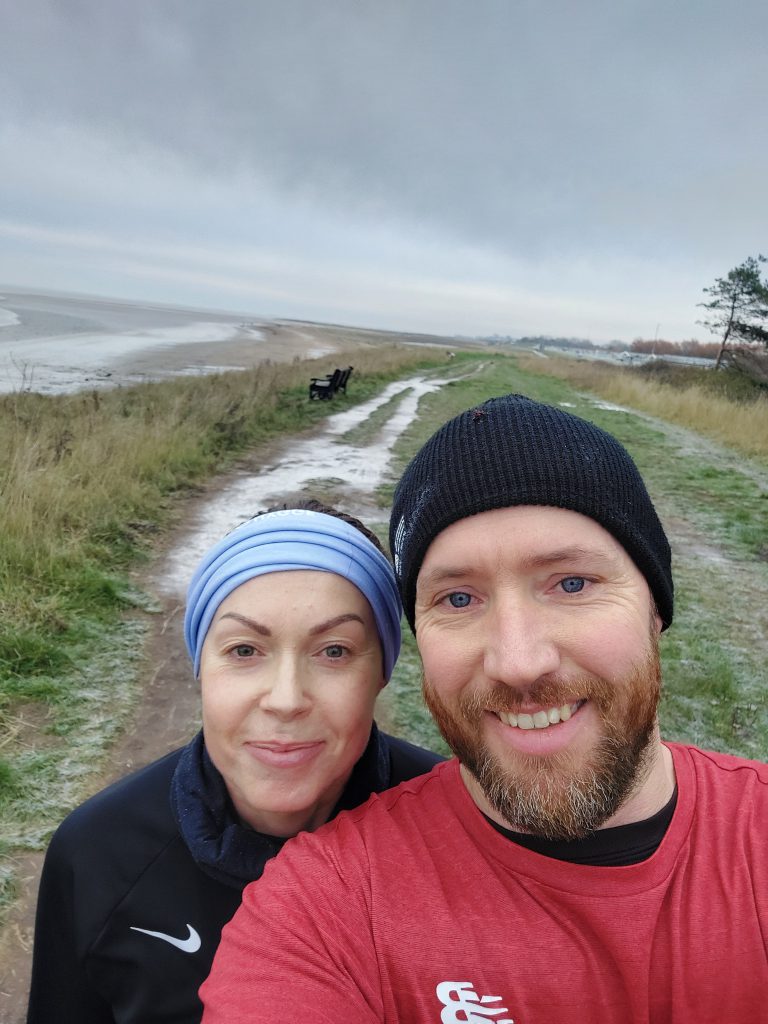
pixel 514 451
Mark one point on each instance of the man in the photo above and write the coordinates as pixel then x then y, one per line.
pixel 567 866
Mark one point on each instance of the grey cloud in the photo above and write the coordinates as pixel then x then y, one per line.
pixel 498 122
pixel 506 160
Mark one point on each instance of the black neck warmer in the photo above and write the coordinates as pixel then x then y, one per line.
pixel 221 845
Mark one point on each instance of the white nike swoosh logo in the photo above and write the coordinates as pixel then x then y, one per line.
pixel 189 945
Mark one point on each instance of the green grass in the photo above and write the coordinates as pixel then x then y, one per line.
pixel 409 717
pixel 369 428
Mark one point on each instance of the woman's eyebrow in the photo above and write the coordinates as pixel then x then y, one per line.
pixel 337 621
pixel 321 627
pixel 257 627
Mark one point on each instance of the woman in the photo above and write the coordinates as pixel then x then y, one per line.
pixel 293 627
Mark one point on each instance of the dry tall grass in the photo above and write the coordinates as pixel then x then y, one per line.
pixel 742 425
pixel 68 461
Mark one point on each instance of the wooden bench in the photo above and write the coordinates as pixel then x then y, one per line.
pixel 342 385
pixel 326 387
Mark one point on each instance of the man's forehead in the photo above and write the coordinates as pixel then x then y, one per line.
pixel 535 536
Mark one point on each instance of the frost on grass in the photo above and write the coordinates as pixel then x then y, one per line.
pixel 100 692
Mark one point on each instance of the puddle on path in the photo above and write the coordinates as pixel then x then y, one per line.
pixel 611 407
pixel 325 456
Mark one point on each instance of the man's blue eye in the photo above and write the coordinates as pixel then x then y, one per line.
pixel 573 584
pixel 459 600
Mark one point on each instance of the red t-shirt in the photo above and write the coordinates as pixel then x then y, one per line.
pixel 414 909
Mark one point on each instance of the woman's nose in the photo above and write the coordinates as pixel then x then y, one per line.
pixel 286 693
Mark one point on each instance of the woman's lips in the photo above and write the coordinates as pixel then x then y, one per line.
pixel 284 755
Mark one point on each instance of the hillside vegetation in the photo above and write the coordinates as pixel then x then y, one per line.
pixel 726 405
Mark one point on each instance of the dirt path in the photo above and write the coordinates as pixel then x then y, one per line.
pixel 167 713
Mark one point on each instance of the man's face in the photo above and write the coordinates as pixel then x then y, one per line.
pixel 539 643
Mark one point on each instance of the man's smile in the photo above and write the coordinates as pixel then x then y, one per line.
pixel 541 719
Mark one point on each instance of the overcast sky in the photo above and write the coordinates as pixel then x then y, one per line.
pixel 459 166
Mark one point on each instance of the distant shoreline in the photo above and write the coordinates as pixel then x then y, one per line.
pixel 55 343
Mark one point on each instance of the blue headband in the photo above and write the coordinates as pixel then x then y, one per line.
pixel 289 540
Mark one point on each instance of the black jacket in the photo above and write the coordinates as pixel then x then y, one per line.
pixel 118 869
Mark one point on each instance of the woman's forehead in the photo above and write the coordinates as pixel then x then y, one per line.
pixel 295 591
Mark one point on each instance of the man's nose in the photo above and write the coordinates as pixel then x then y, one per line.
pixel 286 693
pixel 521 643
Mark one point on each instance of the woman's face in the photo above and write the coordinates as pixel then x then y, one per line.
pixel 290 670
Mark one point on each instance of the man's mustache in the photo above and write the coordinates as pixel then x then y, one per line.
pixel 546 693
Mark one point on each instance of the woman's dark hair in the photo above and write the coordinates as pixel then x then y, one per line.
pixel 311 505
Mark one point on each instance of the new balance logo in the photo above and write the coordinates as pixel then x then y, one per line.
pixel 462 1005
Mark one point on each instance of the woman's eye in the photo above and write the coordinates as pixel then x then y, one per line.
pixel 334 651
pixel 243 651
pixel 573 584
pixel 459 599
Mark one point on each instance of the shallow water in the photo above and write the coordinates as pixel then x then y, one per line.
pixel 61 363
pixel 56 343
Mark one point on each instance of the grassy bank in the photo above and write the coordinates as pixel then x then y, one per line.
pixel 724 406
pixel 715 510
pixel 89 481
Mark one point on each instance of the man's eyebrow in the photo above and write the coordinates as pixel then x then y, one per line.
pixel 443 574
pixel 573 553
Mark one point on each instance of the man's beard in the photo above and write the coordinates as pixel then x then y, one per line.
pixel 562 795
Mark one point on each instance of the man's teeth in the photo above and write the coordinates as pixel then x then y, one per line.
pixel 540 719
